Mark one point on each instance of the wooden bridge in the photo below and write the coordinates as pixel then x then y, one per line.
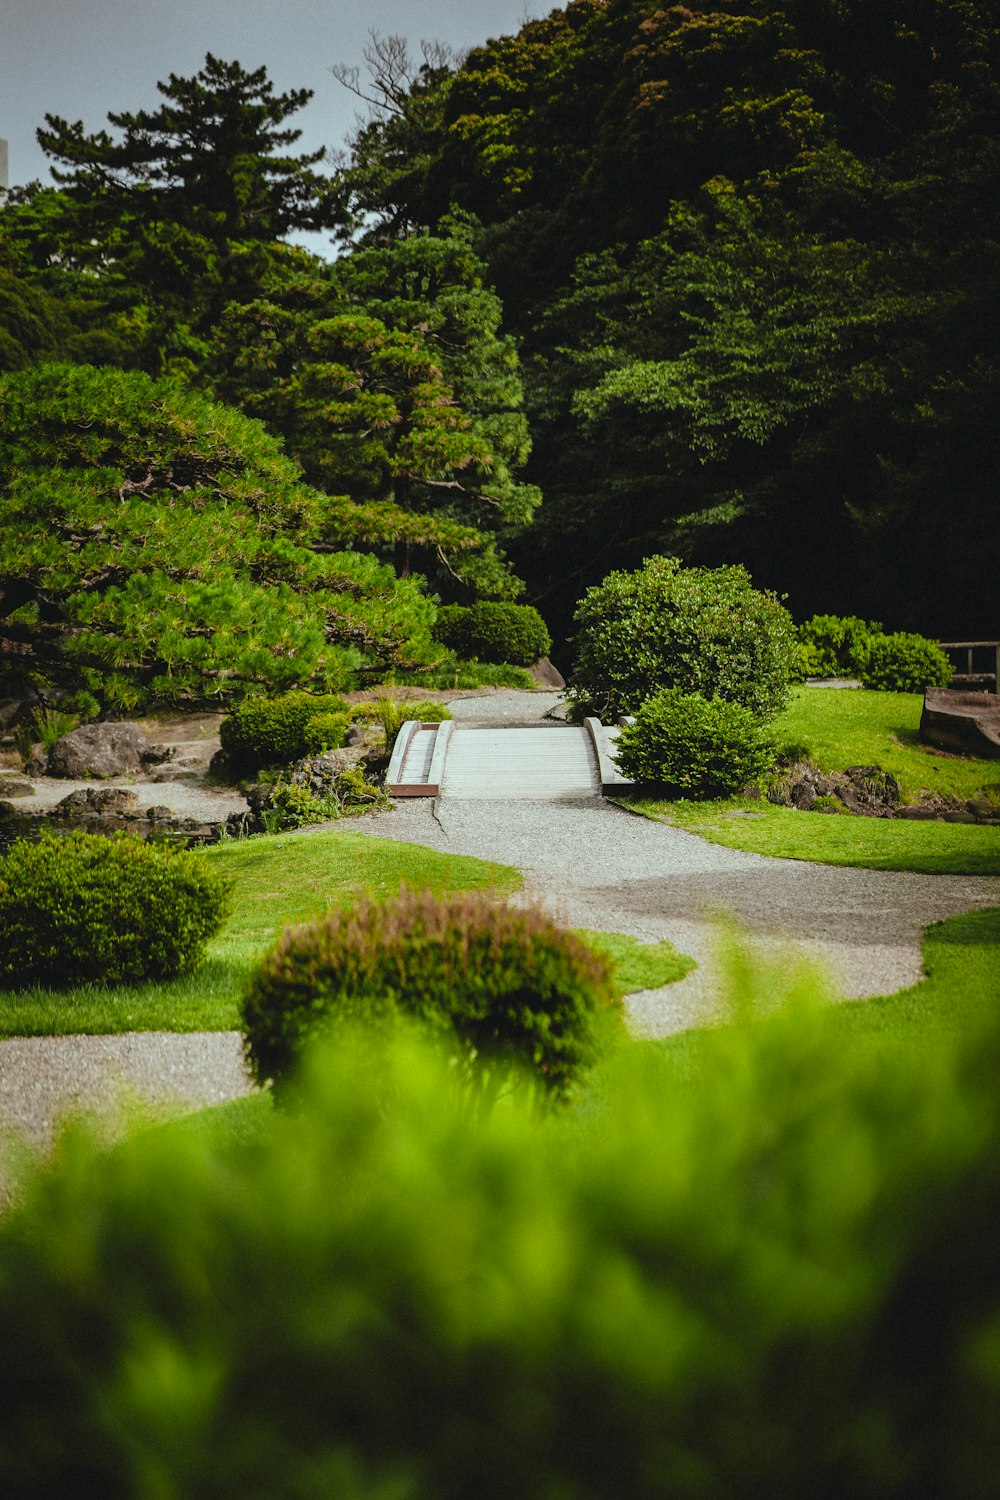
pixel 498 764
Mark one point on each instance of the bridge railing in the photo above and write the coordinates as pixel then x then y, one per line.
pixel 982 681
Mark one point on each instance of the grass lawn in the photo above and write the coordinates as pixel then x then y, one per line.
pixel 843 727
pixel 959 993
pixel 289 878
pixel 866 843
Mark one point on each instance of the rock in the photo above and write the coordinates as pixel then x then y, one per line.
pixel 224 768
pixel 13 709
pixel 981 808
pixel 546 675
pixel 8 810
pixel 38 761
pixel 158 755
pixel 801 795
pixel 98 750
pixel 91 802
pixel 958 817
pixel 918 814
pixel 12 787
pixel 159 813
pixel 968 723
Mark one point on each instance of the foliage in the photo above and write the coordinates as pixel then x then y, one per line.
pixel 326 731
pixel 513 633
pixel 450 673
pixel 48 725
pixel 701 630
pixel 273 731
pixel 500 986
pixel 751 254
pixel 116 910
pixel 904 663
pixel 694 746
pixel 158 547
pixel 389 378
pixel 288 805
pixel 836 646
pixel 777 1277
pixel 274 881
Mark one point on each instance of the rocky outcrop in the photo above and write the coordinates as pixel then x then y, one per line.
pixel 93 802
pixel 98 750
pixel 866 791
pixel 967 723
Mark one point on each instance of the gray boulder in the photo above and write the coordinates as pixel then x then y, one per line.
pixel 98 750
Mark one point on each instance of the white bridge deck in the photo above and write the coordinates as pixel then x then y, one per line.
pixel 498 764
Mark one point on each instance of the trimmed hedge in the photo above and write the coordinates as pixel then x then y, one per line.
pixel 513 633
pixel 701 630
pixel 846 646
pixel 693 746
pixel 502 986
pixel 272 731
pixel 115 909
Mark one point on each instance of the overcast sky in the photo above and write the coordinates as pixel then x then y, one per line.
pixel 81 58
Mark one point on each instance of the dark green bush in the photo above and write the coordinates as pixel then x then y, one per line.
pixel 694 746
pixel 494 632
pixel 772 1276
pixel 502 986
pixel 702 630
pixel 114 909
pixel 835 645
pixel 271 731
pixel 904 663
pixel 324 732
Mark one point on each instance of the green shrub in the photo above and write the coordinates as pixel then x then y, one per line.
pixel 904 663
pixel 288 806
pixel 355 792
pixel 513 633
pixel 374 711
pixel 114 909
pixel 455 674
pixel 324 732
pixel 694 746
pixel 775 1275
pixel 701 630
pixel 502 986
pixel 271 731
pixel 836 645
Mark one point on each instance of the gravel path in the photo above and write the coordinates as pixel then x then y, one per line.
pixel 593 865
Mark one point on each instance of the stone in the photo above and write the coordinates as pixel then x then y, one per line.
pixel 965 723
pixel 801 795
pixel 159 813
pixel 958 817
pixel 93 802
pixel 918 814
pixel 158 755
pixel 12 787
pixel 98 750
pixel 980 807
pixel 8 810
pixel 546 675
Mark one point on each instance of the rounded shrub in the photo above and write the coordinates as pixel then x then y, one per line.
pixel 904 663
pixel 495 632
pixel 700 630
pixel 271 731
pixel 115 909
pixel 694 746
pixel 324 732
pixel 501 986
pixel 836 645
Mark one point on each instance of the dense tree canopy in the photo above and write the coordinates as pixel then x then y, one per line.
pixel 156 546
pixel 390 381
pixel 751 248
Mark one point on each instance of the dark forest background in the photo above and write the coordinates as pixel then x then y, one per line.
pixel 719 280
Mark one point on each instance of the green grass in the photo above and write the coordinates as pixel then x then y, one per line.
pixel 639 966
pixel 290 878
pixel 865 843
pixel 960 992
pixel 843 727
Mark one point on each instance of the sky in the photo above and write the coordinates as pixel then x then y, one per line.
pixel 81 58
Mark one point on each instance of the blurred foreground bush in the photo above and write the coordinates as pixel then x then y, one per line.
pixel 777 1280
